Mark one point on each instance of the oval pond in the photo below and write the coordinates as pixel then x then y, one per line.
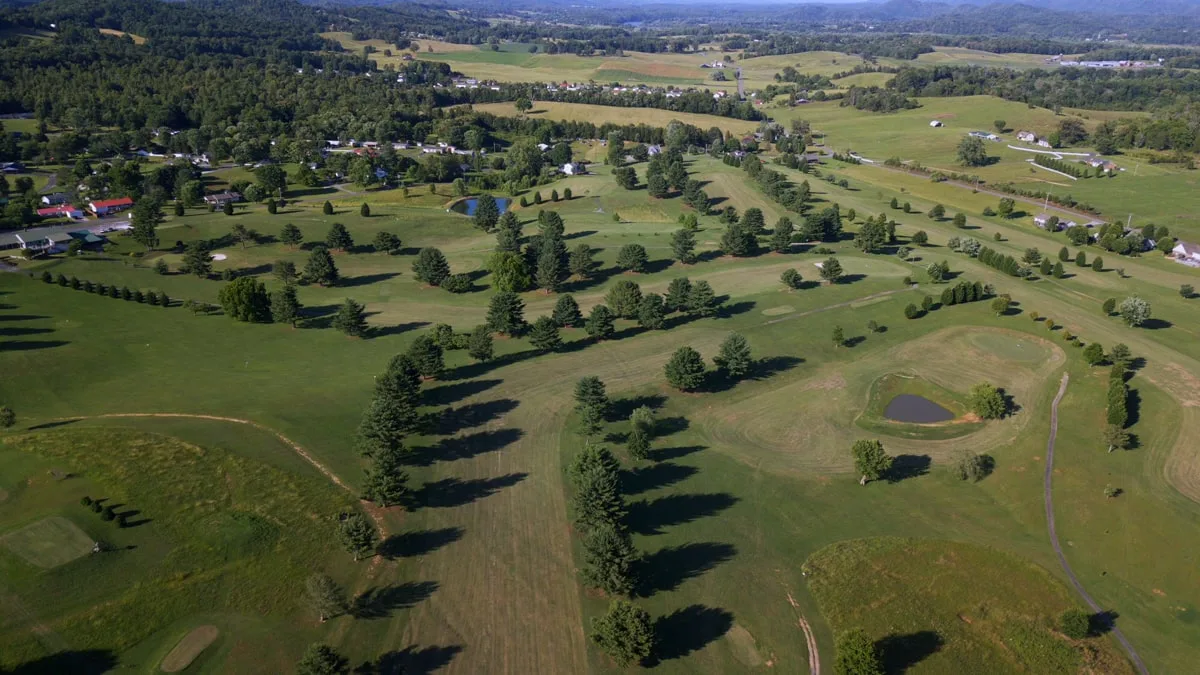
pixel 915 409
pixel 467 206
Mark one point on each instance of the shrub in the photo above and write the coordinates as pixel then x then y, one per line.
pixel 911 312
pixel 457 283
pixel 790 278
pixel 86 501
pixel 1075 623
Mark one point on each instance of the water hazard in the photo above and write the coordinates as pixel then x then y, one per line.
pixel 468 206
pixel 915 409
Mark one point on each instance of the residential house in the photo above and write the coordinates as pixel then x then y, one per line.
pixel 1043 143
pixel 12 167
pixel 54 199
pixel 42 239
pixel 653 150
pixel 222 198
pixel 107 207
pixel 574 169
pixel 1041 220
pixel 1026 136
pixel 1187 252
pixel 984 135
pixel 543 147
pixel 60 211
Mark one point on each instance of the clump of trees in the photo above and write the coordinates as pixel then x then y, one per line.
pixel 987 401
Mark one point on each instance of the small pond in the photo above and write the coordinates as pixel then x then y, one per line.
pixel 915 409
pixel 468 206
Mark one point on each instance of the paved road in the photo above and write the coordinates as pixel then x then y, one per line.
pixel 1062 559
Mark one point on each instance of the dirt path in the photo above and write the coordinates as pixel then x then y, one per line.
pixel 810 640
pixel 1062 559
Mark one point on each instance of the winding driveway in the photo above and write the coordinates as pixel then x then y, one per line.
pixel 1062 559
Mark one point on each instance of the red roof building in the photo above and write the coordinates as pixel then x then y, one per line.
pixel 107 206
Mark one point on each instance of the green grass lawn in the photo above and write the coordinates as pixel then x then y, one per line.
pixel 49 542
pixel 746 483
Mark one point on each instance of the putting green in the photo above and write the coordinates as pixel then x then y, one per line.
pixel 49 542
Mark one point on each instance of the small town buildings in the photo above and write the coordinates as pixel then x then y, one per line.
pixel 107 207
pixel 60 211
pixel 54 199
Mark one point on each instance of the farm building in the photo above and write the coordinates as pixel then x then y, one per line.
pixel 936 123
pixel 574 169
pixel 984 135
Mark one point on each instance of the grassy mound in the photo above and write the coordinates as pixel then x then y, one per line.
pixel 947 607
pixel 207 531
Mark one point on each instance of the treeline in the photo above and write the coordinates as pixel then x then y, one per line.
pixel 877 99
pixel 691 102
pixel 1062 166
pixel 868 47
pixel 151 297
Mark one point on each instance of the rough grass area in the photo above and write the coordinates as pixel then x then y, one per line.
pixel 947 607
pixel 604 114
pixel 49 542
pixel 884 389
pixel 209 531
pixel 192 644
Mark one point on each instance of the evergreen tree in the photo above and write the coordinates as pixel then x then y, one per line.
pixel 831 270
pixel 320 268
pixel 364 210
pixel 599 324
pixel 781 236
pixel 753 222
pixel 580 263
pixel 738 241
pixel 431 266
pixel 632 258
pixel 566 312
pixel 285 307
pixel 651 312
pixel 678 292
pixel 357 534
pixel 338 238
pixel 683 246
pixel 597 499
pixel 325 596
pixel 291 236
pixel 479 343
pixel 624 633
pixel 591 403
pixel 197 259
pixel 426 355
pixel 487 212
pixel 624 298
pixel 685 369
pixel 327 208
pixel 701 299
pixel 506 313
pixel 733 358
pixel 146 217
pixel 351 319
pixel 544 334
pixel 321 659
pixel 386 242
pixel 385 482
pixel 609 559
pixel 549 269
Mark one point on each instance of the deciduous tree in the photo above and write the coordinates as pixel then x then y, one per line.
pixel 245 299
pixel 987 401
pixel 325 596
pixel 357 534
pixel 870 460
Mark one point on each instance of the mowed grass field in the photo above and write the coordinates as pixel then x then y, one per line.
pixel 603 114
pixel 725 512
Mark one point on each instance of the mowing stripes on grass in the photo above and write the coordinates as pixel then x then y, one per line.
pixel 49 542
pixel 191 646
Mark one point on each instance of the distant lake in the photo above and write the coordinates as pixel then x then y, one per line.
pixel 468 206
pixel 915 409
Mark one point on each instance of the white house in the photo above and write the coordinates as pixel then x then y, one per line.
pixel 574 169
pixel 1187 251
pixel 935 123
pixel 1027 136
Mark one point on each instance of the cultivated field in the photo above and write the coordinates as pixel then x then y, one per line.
pixel 745 482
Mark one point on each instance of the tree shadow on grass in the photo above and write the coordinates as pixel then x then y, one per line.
pixel 53 425
pixel 1156 324
pixel 901 652
pixel 667 568
pixel 80 662
pixel 1103 622
pixel 446 394
pixel 643 479
pixel 366 279
pixel 22 317
pixel 908 466
pixel 30 345
pixel 412 661
pixel 451 492
pixel 463 447
pixel 379 602
pixel 14 331
pixel 664 454
pixel 455 419
pixel 622 408
pixel 687 630
pixel 418 542
pixel 397 329
pixel 651 516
